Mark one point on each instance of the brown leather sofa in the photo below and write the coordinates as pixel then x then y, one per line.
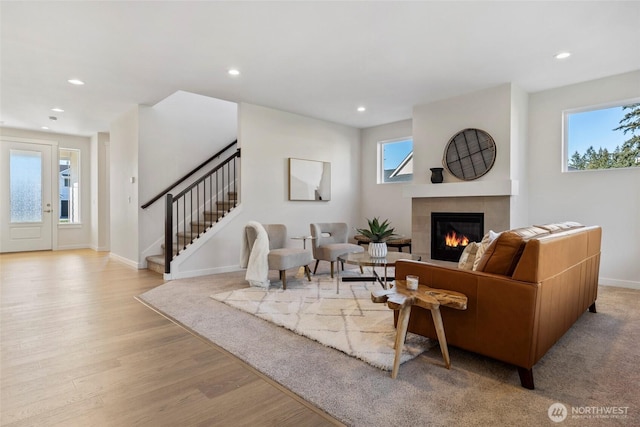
pixel 524 300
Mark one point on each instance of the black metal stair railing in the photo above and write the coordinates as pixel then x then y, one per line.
pixel 189 174
pixel 198 207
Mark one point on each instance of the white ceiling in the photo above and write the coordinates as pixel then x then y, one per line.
pixel 319 59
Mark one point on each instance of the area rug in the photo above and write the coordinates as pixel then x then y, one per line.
pixel 348 321
pixel 592 368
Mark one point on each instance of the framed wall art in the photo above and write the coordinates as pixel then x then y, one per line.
pixel 309 180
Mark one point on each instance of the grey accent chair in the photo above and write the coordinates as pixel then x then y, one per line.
pixel 280 257
pixel 330 241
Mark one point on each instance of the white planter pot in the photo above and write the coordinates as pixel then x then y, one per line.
pixel 378 250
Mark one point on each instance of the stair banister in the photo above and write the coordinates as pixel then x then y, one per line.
pixel 185 177
pixel 218 181
pixel 168 233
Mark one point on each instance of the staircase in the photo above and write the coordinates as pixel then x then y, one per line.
pixel 196 229
pixel 196 209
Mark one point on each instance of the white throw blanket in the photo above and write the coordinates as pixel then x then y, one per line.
pixel 255 258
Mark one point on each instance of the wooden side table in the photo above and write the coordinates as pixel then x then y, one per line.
pixel 402 299
pixel 400 242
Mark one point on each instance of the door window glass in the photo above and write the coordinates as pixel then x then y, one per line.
pixel 25 186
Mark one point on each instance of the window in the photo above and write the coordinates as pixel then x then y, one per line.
pixel 603 138
pixel 395 161
pixel 69 185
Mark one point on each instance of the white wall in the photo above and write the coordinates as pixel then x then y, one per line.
pixel 609 198
pixel 176 135
pixel 501 111
pixel 69 236
pixel 124 201
pixel 519 215
pixel 268 138
pixel 434 124
pixel 383 200
pixel 100 191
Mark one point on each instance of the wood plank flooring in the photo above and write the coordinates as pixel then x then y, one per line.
pixel 78 350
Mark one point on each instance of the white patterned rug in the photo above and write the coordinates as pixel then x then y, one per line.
pixel 349 321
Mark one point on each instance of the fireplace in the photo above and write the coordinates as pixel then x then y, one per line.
pixel 451 232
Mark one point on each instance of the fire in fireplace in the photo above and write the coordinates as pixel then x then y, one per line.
pixel 451 232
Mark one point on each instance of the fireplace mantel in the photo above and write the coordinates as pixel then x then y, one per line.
pixel 462 189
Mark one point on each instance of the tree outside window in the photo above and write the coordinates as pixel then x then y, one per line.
pixel 604 138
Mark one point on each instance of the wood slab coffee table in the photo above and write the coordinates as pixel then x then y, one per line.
pixel 402 299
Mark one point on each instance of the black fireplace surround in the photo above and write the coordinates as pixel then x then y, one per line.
pixel 452 231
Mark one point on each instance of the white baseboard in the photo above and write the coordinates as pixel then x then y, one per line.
pixel 605 281
pixel 70 247
pixel 203 272
pixel 124 260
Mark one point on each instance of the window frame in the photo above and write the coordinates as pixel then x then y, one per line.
pixel 380 159
pixel 78 154
pixel 565 131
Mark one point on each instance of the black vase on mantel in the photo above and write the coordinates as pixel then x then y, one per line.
pixel 436 175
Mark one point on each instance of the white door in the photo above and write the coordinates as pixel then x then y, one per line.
pixel 26 205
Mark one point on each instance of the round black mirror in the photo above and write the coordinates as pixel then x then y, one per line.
pixel 469 154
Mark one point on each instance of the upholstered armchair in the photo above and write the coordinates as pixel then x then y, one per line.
pixel 279 256
pixel 330 241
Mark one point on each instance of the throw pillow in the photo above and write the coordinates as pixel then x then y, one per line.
pixel 468 256
pixel 502 256
pixel 482 247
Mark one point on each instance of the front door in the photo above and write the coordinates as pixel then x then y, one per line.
pixel 26 205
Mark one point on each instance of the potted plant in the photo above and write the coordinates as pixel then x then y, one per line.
pixel 378 232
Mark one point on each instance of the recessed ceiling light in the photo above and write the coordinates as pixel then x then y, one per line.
pixel 57 110
pixel 362 109
pixel 234 72
pixel 45 127
pixel 562 55
pixel 76 82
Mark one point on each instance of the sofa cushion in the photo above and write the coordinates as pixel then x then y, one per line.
pixel 503 254
pixel 468 256
pixel 483 245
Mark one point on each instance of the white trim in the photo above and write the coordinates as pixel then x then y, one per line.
pixel 124 260
pixel 28 140
pixel 462 189
pixel 76 246
pixel 70 225
pixel 203 272
pixel 630 284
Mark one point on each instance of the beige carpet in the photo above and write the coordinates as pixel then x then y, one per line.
pixel 348 321
pixel 594 367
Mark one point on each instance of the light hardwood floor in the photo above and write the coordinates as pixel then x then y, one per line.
pixel 78 350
